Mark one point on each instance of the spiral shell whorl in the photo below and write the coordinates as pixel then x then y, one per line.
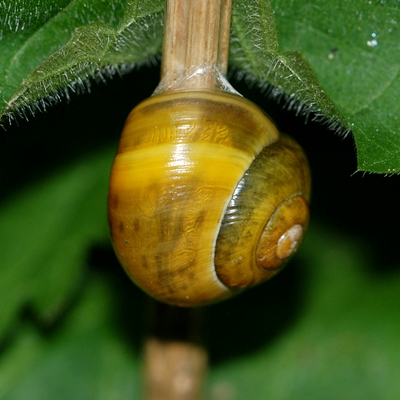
pixel 266 218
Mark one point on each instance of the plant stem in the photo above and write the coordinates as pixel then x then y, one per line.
pixel 224 35
pixel 174 360
pixel 195 56
pixel 196 42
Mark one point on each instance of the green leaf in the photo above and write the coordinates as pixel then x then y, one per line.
pixel 354 48
pixel 85 360
pixel 255 51
pixel 45 232
pixel 77 41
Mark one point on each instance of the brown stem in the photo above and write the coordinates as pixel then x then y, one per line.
pixel 224 35
pixel 174 360
pixel 196 41
pixel 195 55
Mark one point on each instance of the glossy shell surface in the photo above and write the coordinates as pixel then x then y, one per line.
pixel 180 166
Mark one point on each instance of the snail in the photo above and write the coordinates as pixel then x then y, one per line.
pixel 206 197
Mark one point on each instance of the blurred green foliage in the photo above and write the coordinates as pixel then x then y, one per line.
pixel 72 323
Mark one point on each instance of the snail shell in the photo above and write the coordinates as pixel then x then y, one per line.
pixel 206 197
